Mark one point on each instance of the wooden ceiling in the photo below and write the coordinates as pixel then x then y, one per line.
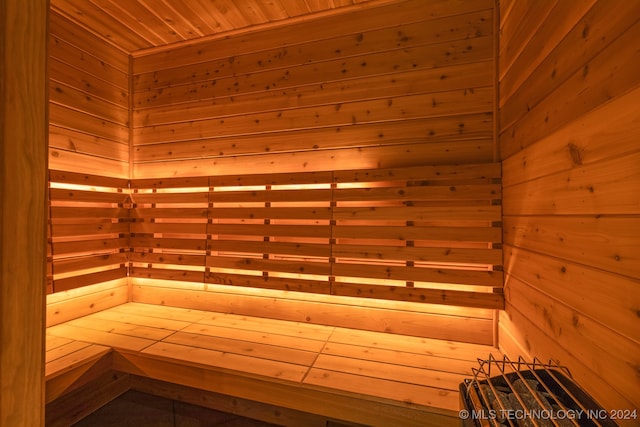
pixel 133 25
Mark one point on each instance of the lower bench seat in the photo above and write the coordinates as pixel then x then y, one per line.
pixel 70 362
pixel 356 376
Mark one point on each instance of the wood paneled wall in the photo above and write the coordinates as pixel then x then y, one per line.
pixel 392 85
pixel 89 229
pixel 421 234
pixel 89 133
pixel 570 125
pixel 89 102
pixel 416 236
pixel 395 84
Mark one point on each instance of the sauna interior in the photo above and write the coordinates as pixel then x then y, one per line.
pixel 315 213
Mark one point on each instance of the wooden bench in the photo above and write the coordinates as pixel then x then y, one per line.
pixel 325 372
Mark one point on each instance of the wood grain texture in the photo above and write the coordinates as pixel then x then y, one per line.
pixel 372 80
pixel 88 227
pixel 89 101
pixel 570 184
pixel 23 254
pixel 157 24
pixel 470 325
pixel 325 232
pixel 295 365
pixel 77 302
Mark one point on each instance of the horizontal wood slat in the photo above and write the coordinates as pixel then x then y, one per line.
pixel 399 60
pixel 88 88
pixel 385 85
pixel 382 233
pixel 81 280
pixel 88 229
pixel 429 234
pixel 411 34
pixel 447 78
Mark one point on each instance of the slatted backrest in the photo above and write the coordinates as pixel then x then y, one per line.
pixel 88 229
pixel 429 234
pixel 271 231
pixel 424 234
pixel 169 228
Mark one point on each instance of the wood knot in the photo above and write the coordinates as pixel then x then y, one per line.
pixel 576 154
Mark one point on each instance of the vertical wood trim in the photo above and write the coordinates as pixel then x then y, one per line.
pixel 23 166
pixel 496 328
pixel 130 117
pixel 496 128
pixel 50 267
pixel 130 161
pixel 496 81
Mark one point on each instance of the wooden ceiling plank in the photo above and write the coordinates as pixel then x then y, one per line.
pixel 376 15
pixel 319 5
pixel 296 8
pixel 254 13
pixel 272 9
pixel 177 23
pixel 141 24
pixel 197 16
pixel 100 23
pixel 341 3
pixel 130 16
pixel 237 16
pixel 211 16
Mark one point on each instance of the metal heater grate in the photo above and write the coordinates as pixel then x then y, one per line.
pixel 530 394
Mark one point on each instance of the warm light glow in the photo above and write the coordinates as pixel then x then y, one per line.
pixel 418 307
pixel 383 240
pixel 240 188
pixel 79 187
pixel 178 267
pixel 85 238
pixel 452 287
pixel 176 190
pixel 453 266
pixel 363 184
pixel 319 186
pixel 201 205
pixel 86 290
pixel 369 281
pixel 86 271
pixel 313 277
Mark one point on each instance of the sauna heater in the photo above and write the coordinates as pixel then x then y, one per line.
pixel 517 393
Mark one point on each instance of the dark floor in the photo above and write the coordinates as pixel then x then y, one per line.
pixel 135 409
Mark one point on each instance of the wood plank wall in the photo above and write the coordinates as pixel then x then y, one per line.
pixel 89 102
pixel 421 234
pixel 89 229
pixel 392 85
pixel 405 83
pixel 421 239
pixel 23 166
pixel 89 136
pixel 570 125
